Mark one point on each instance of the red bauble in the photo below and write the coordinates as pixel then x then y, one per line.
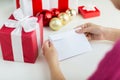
pixel 55 12
pixel 47 15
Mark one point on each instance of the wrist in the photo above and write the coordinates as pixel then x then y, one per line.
pixel 54 68
pixel 106 33
pixel 53 64
pixel 111 34
pixel 56 73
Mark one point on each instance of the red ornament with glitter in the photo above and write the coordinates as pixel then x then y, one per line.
pixel 47 15
pixel 55 12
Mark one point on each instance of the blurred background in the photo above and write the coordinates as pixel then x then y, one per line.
pixel 6 8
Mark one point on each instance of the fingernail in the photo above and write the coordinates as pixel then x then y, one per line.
pixel 77 31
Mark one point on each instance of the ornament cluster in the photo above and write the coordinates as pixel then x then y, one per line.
pixel 56 19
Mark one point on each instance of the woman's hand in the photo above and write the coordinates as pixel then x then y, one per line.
pixel 92 31
pixel 51 56
pixel 97 32
pixel 50 53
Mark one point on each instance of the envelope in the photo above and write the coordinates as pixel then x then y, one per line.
pixel 69 44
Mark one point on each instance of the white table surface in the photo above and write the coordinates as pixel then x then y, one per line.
pixel 76 68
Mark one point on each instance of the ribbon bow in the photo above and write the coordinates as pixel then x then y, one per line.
pixel 26 22
pixel 89 7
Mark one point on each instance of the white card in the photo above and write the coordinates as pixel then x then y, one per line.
pixel 69 44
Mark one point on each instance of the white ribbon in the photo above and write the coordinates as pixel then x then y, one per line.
pixel 27 6
pixel 73 4
pixel 89 7
pixel 54 4
pixel 28 24
pixel 22 22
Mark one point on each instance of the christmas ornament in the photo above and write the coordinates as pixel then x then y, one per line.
pixel 55 24
pixel 64 18
pixel 71 12
pixel 47 15
pixel 55 12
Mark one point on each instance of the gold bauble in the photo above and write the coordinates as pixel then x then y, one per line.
pixel 71 12
pixel 55 24
pixel 64 18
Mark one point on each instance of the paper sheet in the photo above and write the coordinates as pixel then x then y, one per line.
pixel 69 44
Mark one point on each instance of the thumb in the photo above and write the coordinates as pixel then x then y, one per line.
pixel 84 29
pixel 51 44
pixel 45 44
pixel 87 27
pixel 87 30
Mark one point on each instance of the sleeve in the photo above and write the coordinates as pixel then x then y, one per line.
pixel 109 67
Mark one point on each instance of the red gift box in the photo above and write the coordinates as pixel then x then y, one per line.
pixel 21 46
pixel 63 5
pixel 32 7
pixel 88 14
